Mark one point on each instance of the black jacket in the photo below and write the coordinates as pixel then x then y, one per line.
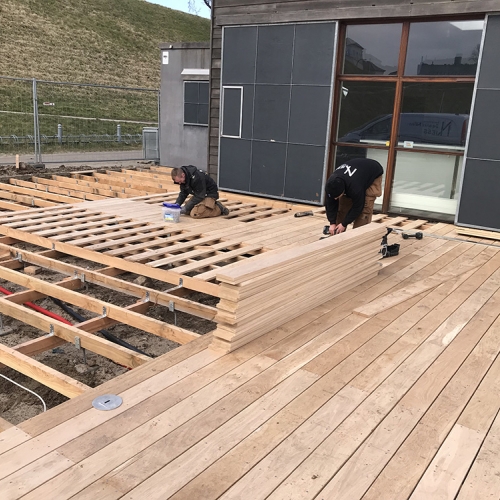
pixel 199 184
pixel 358 175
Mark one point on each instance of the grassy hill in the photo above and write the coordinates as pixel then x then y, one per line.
pixel 93 41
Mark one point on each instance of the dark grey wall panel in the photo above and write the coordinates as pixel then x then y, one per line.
pixel 268 165
pixel 489 76
pixel 479 204
pixel 309 115
pixel 485 126
pixel 480 200
pixel 313 54
pixel 247 119
pixel 231 111
pixel 271 112
pixel 234 162
pixel 274 54
pixel 304 172
pixel 240 48
pixel 286 110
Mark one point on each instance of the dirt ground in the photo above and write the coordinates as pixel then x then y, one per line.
pixel 9 171
pixel 18 405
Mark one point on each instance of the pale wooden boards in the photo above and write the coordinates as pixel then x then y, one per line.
pixel 405 293
pixel 259 295
pixel 479 233
pixel 329 405
pixel 4 425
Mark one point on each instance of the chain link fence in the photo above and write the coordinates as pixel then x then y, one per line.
pixel 50 122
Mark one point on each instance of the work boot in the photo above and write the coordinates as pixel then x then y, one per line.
pixel 223 210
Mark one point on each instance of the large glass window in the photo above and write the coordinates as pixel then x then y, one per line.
pixel 435 115
pixel 424 182
pixel 365 119
pixel 429 88
pixel 370 49
pixel 366 112
pixel 443 48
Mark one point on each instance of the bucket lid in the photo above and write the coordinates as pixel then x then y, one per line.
pixel 171 205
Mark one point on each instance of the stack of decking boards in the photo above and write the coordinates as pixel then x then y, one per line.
pixel 270 290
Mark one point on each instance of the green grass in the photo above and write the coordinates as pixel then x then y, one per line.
pixel 112 42
pixel 93 41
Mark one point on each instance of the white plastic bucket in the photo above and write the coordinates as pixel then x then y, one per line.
pixel 171 212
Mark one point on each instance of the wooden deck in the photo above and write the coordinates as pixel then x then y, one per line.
pixel 341 404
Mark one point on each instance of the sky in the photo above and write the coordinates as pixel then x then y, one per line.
pixel 203 10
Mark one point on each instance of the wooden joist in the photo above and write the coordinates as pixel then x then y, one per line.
pixel 56 189
pixel 116 179
pixel 28 201
pixel 41 344
pixel 105 279
pixel 37 193
pixel 119 314
pixel 5 205
pixel 45 375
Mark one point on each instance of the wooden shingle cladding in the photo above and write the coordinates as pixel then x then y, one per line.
pixel 235 12
pixel 215 79
pixel 247 12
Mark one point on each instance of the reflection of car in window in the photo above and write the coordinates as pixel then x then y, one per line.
pixel 425 128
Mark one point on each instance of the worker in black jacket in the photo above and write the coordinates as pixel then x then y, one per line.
pixel 196 182
pixel 350 193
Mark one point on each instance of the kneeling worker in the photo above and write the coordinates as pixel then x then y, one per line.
pixel 350 193
pixel 205 193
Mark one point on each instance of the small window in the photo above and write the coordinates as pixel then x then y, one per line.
pixel 196 103
pixel 232 111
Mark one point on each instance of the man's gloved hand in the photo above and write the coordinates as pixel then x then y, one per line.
pixel 183 210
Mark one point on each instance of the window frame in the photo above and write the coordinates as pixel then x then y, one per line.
pixel 197 104
pixel 223 100
pixel 400 79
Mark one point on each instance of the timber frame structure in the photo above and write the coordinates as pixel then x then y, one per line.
pixel 112 221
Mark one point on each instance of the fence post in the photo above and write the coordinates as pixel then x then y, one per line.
pixel 36 123
pixel 158 135
pixel 35 134
pixel 119 133
pixel 59 133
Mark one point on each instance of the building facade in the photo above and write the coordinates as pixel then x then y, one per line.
pixel 183 127
pixel 298 88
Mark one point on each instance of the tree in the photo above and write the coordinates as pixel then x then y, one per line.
pixel 474 57
pixel 193 7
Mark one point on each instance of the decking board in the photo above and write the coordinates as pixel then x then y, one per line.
pixel 402 401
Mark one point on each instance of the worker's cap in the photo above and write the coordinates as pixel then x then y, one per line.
pixel 335 187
